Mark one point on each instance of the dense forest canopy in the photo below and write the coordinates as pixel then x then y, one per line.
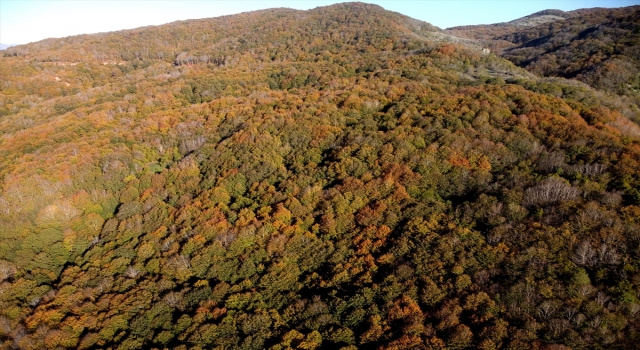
pixel 344 177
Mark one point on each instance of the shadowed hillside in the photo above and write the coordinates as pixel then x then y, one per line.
pixel 600 47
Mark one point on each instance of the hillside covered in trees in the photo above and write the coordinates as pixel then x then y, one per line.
pixel 600 46
pixel 339 178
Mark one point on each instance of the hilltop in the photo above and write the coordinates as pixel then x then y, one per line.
pixel 339 178
pixel 238 34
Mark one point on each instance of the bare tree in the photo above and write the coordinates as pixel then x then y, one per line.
pixel 569 312
pixel 7 270
pixel 602 298
pixel 132 272
pixel 550 161
pixel 588 169
pixel 174 299
pixel 584 255
pixel 546 309
pixel 586 289
pixel 550 190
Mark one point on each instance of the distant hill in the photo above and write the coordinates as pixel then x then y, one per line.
pixel 600 47
pixel 6 46
pixel 488 33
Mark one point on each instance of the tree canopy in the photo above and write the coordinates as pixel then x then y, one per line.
pixel 344 177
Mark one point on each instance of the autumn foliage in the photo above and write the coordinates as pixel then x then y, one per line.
pixel 334 178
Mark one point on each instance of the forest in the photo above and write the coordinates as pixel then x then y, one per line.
pixel 339 178
pixel 596 46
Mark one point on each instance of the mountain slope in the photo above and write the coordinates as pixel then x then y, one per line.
pixel 603 52
pixel 596 46
pixel 241 33
pixel 344 177
pixel 489 32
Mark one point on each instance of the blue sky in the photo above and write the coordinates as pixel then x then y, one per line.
pixel 23 21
